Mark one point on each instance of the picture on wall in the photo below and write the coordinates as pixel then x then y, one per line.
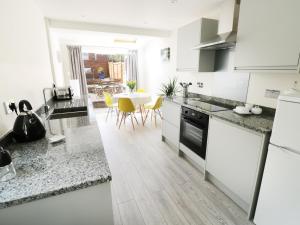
pixel 165 54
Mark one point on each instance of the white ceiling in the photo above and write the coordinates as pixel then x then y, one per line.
pixel 159 14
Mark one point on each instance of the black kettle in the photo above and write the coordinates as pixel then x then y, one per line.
pixel 28 126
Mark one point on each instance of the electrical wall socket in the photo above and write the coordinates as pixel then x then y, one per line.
pixel 200 84
pixel 272 93
pixel 6 107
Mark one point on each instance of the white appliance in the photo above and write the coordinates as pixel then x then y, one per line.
pixel 279 197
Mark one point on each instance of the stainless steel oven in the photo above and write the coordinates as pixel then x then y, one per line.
pixel 193 131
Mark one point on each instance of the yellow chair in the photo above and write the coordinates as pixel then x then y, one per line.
pixel 140 90
pixel 126 107
pixel 109 103
pixel 154 108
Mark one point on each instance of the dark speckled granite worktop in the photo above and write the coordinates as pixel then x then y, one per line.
pixel 45 169
pixel 261 123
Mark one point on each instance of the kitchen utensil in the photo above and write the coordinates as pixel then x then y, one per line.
pixel 242 110
pixel 28 126
pixel 248 106
pixel 7 169
pixel 256 110
pixel 62 93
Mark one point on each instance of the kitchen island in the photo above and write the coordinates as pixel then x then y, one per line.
pixel 62 183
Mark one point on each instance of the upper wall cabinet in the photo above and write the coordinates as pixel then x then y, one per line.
pixel 268 35
pixel 189 36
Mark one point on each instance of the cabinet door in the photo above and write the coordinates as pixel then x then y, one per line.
pixel 171 113
pixel 171 133
pixel 286 125
pixel 233 157
pixel 279 199
pixel 268 35
pixel 187 38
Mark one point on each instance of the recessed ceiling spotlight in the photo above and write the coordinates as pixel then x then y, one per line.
pixel 173 1
pixel 83 16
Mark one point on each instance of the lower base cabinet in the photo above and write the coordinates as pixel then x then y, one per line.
pixel 171 123
pixel 234 157
pixel 171 133
pixel 91 205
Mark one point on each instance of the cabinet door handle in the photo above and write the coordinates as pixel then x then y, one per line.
pixel 298 68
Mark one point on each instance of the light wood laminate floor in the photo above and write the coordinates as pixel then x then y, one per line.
pixel 151 185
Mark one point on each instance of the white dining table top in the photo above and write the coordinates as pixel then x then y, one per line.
pixel 136 98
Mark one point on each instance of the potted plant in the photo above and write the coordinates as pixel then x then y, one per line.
pixel 170 88
pixel 131 85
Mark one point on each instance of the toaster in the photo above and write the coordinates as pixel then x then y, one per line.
pixel 63 93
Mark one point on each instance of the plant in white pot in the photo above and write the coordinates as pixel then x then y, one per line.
pixel 170 88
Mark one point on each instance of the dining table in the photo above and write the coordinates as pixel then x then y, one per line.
pixel 138 99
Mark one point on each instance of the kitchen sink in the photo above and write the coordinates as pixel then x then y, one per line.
pixel 60 113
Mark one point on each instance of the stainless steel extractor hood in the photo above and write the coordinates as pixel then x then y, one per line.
pixel 221 41
pixel 227 31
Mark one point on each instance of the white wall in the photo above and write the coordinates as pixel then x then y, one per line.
pixel 24 58
pixel 259 82
pixel 154 72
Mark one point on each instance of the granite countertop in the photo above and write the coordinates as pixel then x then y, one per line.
pixel 261 123
pixel 45 169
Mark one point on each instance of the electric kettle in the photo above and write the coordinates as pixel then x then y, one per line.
pixel 28 126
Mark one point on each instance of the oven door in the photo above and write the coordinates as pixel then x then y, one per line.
pixel 194 135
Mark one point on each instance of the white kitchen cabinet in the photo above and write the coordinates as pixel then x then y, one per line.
pixel 268 35
pixel 233 159
pixel 189 36
pixel 171 123
pixel 171 112
pixel 92 205
pixel 171 133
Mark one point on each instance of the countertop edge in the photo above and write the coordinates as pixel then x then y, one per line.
pixel 76 187
pixel 259 130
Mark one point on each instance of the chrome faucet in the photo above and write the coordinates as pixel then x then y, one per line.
pixel 46 106
pixel 185 87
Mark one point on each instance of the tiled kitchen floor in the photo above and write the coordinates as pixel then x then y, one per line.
pixel 152 185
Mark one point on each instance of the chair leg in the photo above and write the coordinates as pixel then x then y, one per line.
pixel 131 120
pixel 141 111
pixel 146 117
pixel 159 113
pixel 154 111
pixel 121 119
pixel 135 119
pixel 118 114
pixel 108 111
